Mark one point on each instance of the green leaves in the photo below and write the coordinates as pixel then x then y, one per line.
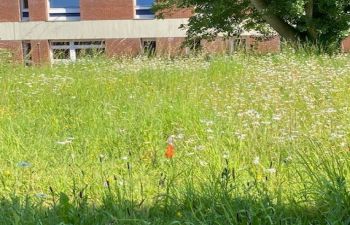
pixel 320 22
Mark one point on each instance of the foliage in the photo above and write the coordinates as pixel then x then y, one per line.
pixel 321 22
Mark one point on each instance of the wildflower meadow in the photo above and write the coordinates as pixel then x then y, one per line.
pixel 242 139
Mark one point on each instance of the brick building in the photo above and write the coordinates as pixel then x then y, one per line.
pixel 44 31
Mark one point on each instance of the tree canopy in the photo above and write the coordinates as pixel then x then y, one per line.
pixel 321 22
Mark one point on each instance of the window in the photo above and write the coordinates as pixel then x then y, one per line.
pixel 62 10
pixel 64 4
pixel 61 54
pixel 27 53
pixel 143 9
pixel 238 44
pixel 149 46
pixel 193 45
pixel 24 10
pixel 66 51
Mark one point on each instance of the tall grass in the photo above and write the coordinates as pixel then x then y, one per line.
pixel 258 140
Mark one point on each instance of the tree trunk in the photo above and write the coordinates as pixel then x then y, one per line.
pixel 309 11
pixel 277 23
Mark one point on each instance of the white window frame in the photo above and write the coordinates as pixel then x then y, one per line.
pixel 24 10
pixel 72 49
pixel 142 17
pixel 63 11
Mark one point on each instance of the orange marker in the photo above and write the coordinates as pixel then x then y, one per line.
pixel 170 151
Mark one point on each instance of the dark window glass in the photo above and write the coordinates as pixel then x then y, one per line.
pixel 25 14
pixel 88 43
pixel 149 47
pixel 239 44
pixel 89 52
pixel 27 53
pixel 144 12
pixel 61 43
pixel 25 4
pixel 194 44
pixel 65 14
pixel 61 54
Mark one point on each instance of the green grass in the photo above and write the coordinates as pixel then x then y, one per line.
pixel 258 140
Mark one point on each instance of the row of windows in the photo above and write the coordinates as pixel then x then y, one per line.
pixel 68 51
pixel 62 10
pixel 65 51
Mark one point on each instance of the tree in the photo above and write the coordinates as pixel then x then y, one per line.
pixel 321 22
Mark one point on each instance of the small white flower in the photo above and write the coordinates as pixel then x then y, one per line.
pixel 124 158
pixel 330 110
pixel 106 184
pixel 277 117
pixel 180 136
pixel 171 139
pixel 240 136
pixel 270 170
pixel 343 144
pixel 256 161
pixel 337 135
pixel 102 157
pixel 209 123
pixel 226 155
pixel 253 114
pixel 199 147
pixel 210 130
pixel 40 195
pixel 203 163
pixel 288 159
pixel 67 141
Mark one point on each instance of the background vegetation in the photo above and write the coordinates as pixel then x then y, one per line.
pixel 258 140
pixel 321 23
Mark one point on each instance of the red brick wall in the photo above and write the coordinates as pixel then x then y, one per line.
pixel 14 48
pixel 9 11
pixel 271 44
pixel 177 13
pixel 132 47
pixel 222 46
pixel 219 46
pixel 40 52
pixel 106 9
pixel 38 10
pixel 169 46
pixel 123 47
pixel 346 45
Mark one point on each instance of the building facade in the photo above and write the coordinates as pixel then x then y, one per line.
pixel 46 31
